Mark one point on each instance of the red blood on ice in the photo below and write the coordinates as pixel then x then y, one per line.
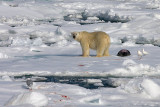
pixel 80 65
pixel 64 96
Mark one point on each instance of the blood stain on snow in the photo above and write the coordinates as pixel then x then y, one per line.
pixel 66 97
pixel 81 65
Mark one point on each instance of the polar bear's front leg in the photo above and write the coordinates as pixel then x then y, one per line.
pixel 85 49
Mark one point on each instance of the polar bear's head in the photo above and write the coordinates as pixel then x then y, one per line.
pixel 76 35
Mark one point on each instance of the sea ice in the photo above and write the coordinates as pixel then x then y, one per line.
pixel 150 88
pixel 35 98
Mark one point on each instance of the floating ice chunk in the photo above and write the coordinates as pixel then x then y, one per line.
pixel 151 88
pixel 4 3
pixel 59 37
pixel 142 40
pixel 92 18
pixel 61 43
pixel 13 5
pixel 133 69
pixel 6 78
pixel 42 34
pixel 5 43
pixel 141 68
pixel 92 99
pixel 12 31
pixel 37 42
pixel 116 41
pixel 79 16
pixel 158 68
pixel 133 86
pixel 157 42
pixel 156 15
pixel 133 40
pixel 129 44
pixel 4 37
pixel 128 62
pixel 152 5
pixel 117 97
pixel 34 98
pixel 21 41
pixel 94 81
pixel 60 31
pixel 3 56
pixel 35 49
pixel 115 82
pixel 146 87
pixel 98 84
pixel 111 16
pixel 129 38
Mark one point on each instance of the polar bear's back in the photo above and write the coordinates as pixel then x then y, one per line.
pixel 96 38
pixel 100 36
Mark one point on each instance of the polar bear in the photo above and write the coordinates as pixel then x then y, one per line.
pixel 99 41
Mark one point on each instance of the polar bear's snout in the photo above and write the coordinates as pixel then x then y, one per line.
pixel 74 35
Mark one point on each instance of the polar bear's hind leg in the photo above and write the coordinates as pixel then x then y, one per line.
pixel 106 51
pixel 100 50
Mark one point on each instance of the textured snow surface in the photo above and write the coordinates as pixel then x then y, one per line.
pixel 33 98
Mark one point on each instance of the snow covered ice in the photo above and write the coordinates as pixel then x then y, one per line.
pixel 35 42
pixel 34 98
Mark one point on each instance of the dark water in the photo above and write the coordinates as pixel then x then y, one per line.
pixel 74 80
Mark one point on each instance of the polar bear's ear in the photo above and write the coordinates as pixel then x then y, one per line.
pixel 74 33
